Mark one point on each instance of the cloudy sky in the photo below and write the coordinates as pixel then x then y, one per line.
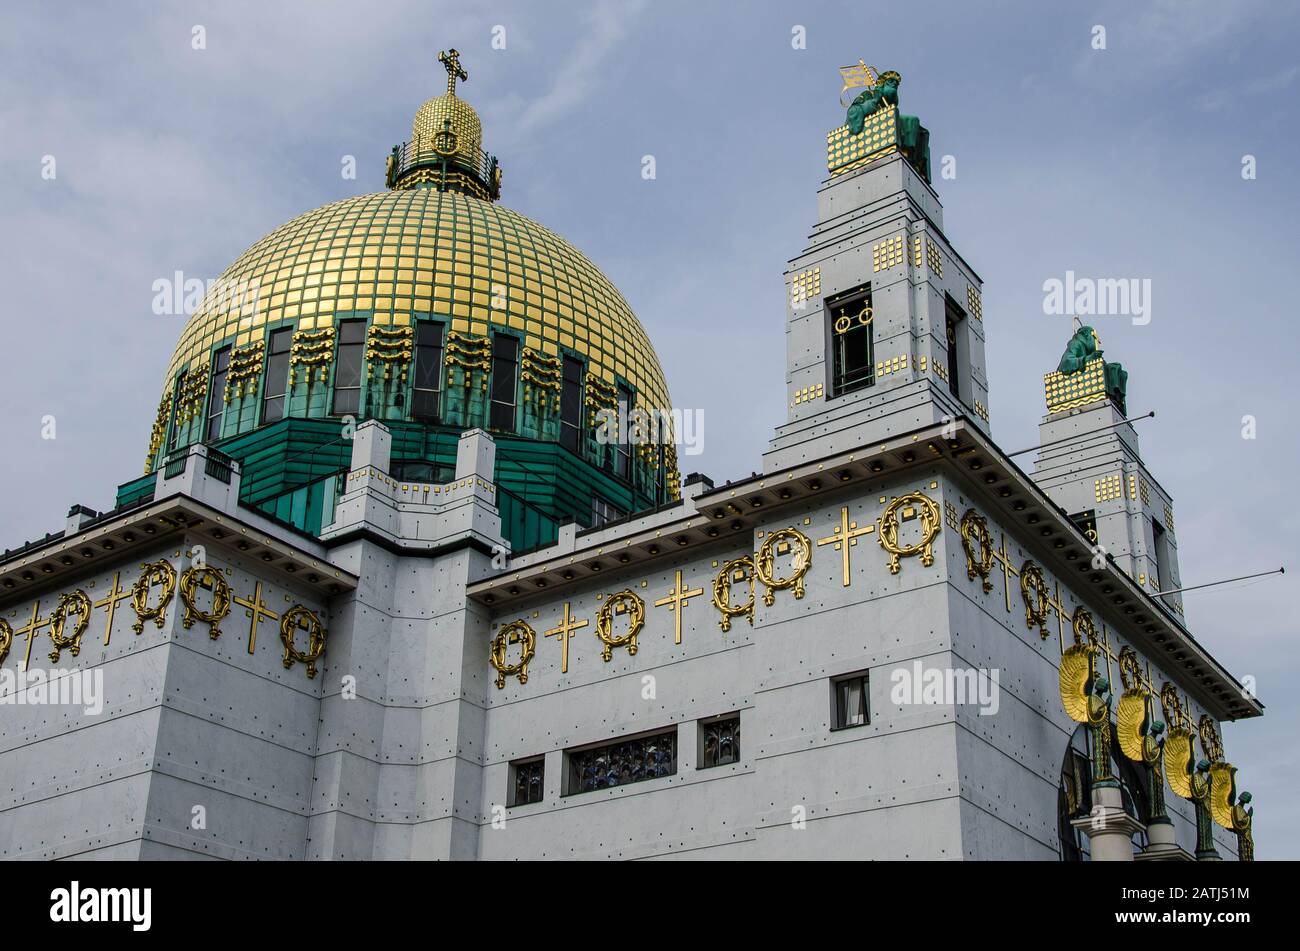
pixel 1122 162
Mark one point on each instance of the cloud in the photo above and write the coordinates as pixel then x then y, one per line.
pixel 579 72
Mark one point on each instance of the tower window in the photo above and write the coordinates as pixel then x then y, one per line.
pixel 217 393
pixel 1160 555
pixel 571 405
pixel 505 382
pixel 347 368
pixel 426 387
pixel 1087 522
pixel 952 319
pixel 853 348
pixel 277 375
pixel 849 702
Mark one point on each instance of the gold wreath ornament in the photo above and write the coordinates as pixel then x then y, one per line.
pixel 977 544
pixel 1033 589
pixel 930 524
pixel 72 602
pixel 212 580
pixel 298 618
pixel 624 602
pixel 154 573
pixel 737 571
pixel 516 632
pixel 786 541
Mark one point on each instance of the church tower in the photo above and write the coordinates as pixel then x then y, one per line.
pixel 884 324
pixel 1090 465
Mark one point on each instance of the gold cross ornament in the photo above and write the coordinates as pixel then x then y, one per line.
pixel 678 596
pixel 451 62
pixel 256 611
pixel 1007 568
pixel 568 625
pixel 30 630
pixel 845 536
pixel 110 602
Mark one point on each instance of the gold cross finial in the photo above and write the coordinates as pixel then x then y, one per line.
pixel 451 62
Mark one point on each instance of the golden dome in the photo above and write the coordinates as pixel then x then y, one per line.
pixel 404 254
pixel 448 112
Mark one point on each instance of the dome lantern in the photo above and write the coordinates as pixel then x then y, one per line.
pixel 445 151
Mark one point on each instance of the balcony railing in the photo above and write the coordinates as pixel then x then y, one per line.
pixel 421 153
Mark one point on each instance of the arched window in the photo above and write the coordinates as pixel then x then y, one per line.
pixel 1074 796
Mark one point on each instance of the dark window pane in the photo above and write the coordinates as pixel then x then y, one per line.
pixel 623 445
pixel 851 702
pixel 424 404
pixel 277 375
pixel 505 376
pixel 571 405
pixel 347 402
pixel 623 762
pixel 952 318
pixel 721 742
pixel 217 393
pixel 348 366
pixel 426 378
pixel 852 345
pixel 529 784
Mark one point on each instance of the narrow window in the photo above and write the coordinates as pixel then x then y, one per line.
pixel 852 345
pixel 720 742
pixel 217 393
pixel 849 696
pixel 426 389
pixel 277 375
pixel 571 405
pixel 348 368
pixel 623 445
pixel 1160 555
pixel 174 436
pixel 505 382
pixel 527 781
pixel 952 318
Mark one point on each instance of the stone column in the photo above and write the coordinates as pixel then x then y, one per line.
pixel 1108 827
